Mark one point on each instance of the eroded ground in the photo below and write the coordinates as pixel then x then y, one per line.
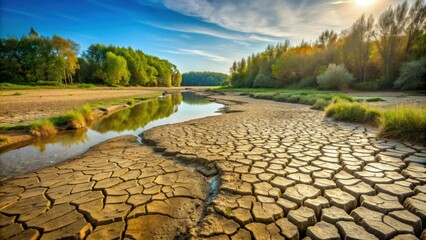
pixel 284 172
pixel 118 189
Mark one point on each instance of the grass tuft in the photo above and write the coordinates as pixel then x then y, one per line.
pixel 3 138
pixel 343 110
pixel 405 123
pixel 42 128
pixel 131 102
pixel 17 94
pixel 320 104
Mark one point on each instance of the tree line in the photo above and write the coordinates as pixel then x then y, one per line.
pixel 389 52
pixel 203 78
pixel 36 59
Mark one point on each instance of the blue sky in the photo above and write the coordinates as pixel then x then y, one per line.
pixel 196 35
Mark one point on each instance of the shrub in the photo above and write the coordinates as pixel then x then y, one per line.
pixel 367 86
pixel 86 85
pixel 406 123
pixel 320 104
pixel 42 128
pixel 49 83
pixel 307 82
pixel 375 99
pixel 413 75
pixel 131 102
pixel 335 77
pixel 342 110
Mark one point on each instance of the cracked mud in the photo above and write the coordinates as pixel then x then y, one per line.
pixel 282 172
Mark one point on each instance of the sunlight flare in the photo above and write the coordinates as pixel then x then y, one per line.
pixel 364 2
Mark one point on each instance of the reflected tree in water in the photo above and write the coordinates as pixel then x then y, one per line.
pixel 194 99
pixel 139 115
pixel 66 139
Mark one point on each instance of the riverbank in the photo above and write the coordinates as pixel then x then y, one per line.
pixel 36 104
pixel 280 170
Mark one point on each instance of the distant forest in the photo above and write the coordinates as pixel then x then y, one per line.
pixel 39 60
pixel 203 79
pixel 386 53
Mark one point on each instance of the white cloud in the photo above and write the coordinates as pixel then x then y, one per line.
pixel 339 2
pixel 304 19
pixel 263 39
pixel 194 29
pixel 67 17
pixel 28 14
pixel 210 56
pixel 238 38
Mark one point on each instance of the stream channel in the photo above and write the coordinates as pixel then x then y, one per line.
pixel 134 120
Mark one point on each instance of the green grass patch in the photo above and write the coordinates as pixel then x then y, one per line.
pixel 14 127
pixel 343 110
pixel 17 94
pixel 375 99
pixel 42 85
pixel 316 99
pixel 405 123
pixel 124 100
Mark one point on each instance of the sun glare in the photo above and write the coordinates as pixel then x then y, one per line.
pixel 364 2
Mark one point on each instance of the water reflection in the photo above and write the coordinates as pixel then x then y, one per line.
pixel 140 115
pixel 48 151
pixel 65 139
pixel 195 99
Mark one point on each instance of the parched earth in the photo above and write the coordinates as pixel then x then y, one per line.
pixel 264 170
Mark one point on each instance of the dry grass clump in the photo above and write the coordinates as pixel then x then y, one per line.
pixel 342 110
pixel 405 123
pixel 42 128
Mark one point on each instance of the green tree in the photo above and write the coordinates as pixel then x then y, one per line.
pixel 390 27
pixel 416 24
pixel 67 50
pixel 115 70
pixel 357 46
pixel 413 75
pixel 335 77
pixel 203 79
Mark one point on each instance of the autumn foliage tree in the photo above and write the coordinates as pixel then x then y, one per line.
pixel 373 51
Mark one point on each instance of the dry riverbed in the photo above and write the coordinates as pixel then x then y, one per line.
pixel 34 104
pixel 280 171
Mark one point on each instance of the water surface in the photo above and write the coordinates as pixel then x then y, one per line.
pixel 48 151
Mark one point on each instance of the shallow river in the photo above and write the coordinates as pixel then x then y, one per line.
pixel 49 151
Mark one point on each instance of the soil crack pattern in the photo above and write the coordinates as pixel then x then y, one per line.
pixel 287 173
pixel 264 170
pixel 119 189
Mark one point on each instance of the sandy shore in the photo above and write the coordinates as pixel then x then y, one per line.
pixel 42 103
